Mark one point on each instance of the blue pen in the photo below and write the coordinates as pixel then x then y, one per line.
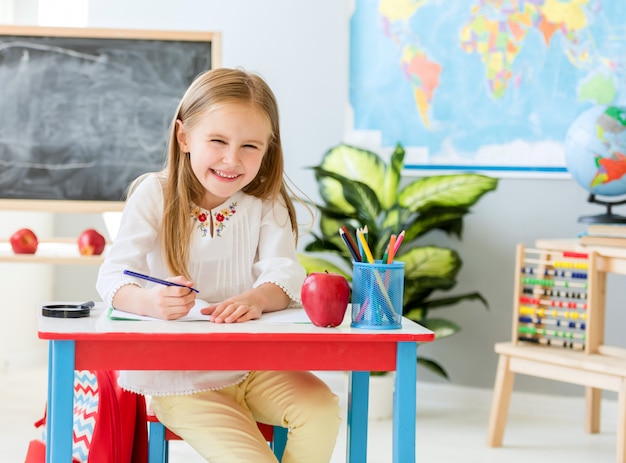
pixel 155 280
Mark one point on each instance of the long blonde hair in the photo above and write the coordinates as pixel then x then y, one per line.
pixel 181 188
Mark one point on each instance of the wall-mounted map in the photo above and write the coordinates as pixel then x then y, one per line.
pixel 483 84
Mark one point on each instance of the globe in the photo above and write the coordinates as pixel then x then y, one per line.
pixel 595 155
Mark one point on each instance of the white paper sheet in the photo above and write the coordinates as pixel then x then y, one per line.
pixel 292 315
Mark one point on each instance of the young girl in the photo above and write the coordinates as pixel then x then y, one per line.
pixel 219 218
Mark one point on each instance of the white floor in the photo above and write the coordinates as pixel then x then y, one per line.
pixel 451 426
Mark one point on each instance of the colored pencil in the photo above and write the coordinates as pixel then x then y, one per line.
pixel 398 242
pixel 359 316
pixel 388 259
pixel 156 280
pixel 361 236
pixel 385 254
pixel 351 243
pixel 353 251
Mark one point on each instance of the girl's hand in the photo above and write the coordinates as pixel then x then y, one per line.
pixel 233 310
pixel 249 305
pixel 172 302
pixel 164 302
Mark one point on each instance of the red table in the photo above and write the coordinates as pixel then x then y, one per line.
pixel 96 342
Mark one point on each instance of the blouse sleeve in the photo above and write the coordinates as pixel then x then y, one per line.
pixel 136 239
pixel 277 257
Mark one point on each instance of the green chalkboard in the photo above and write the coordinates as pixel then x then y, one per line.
pixel 85 111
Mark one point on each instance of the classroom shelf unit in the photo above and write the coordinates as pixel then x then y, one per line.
pixel 558 330
pixel 55 250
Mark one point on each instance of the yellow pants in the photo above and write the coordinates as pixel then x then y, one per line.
pixel 221 425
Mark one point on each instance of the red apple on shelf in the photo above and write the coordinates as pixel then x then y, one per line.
pixel 325 298
pixel 91 243
pixel 24 241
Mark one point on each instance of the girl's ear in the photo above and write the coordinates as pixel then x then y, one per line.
pixel 181 137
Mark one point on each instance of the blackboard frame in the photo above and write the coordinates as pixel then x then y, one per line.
pixel 47 39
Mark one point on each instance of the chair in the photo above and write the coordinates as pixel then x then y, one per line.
pixel 558 334
pixel 159 437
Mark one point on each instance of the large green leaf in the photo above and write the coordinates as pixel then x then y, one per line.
pixel 392 220
pixel 352 163
pixel 314 264
pixel 325 244
pixel 329 226
pixel 430 261
pixel 449 220
pixel 456 190
pixel 355 193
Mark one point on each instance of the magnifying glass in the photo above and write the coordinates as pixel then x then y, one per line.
pixel 67 310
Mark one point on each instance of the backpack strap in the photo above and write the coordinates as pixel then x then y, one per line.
pixel 121 433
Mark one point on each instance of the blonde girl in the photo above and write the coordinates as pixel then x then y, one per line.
pixel 219 218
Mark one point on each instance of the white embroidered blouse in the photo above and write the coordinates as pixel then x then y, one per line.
pixel 252 244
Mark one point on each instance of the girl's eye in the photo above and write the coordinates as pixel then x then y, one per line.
pixel 250 146
pixel 215 140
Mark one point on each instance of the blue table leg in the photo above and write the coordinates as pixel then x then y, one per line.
pixel 358 393
pixel 157 445
pixel 60 419
pixel 280 442
pixel 404 403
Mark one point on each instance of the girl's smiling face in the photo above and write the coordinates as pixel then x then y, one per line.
pixel 226 147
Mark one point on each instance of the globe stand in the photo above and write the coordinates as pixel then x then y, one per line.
pixel 609 217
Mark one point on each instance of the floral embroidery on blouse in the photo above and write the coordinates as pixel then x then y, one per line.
pixel 219 218
pixel 222 216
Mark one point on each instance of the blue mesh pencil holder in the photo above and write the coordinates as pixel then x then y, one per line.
pixel 377 291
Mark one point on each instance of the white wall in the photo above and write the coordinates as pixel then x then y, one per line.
pixel 301 48
pixel 22 286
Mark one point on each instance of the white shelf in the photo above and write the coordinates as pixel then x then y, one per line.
pixel 51 205
pixel 55 250
pixel 63 251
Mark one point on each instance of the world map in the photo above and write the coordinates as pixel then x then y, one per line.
pixel 487 84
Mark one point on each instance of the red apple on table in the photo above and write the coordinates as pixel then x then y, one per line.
pixel 91 243
pixel 325 298
pixel 24 241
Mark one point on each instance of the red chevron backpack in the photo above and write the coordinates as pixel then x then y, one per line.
pixel 109 423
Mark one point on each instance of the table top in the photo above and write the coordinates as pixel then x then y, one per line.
pixel 99 326
pixel 101 343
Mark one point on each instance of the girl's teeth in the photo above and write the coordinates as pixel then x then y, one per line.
pixel 220 174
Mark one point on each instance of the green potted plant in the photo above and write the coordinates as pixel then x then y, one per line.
pixel 359 189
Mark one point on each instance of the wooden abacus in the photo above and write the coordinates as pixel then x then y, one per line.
pixel 552 298
pixel 558 334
